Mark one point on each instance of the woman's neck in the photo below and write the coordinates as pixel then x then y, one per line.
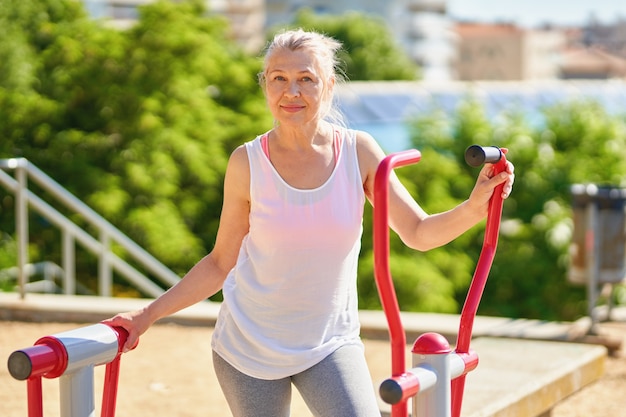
pixel 305 136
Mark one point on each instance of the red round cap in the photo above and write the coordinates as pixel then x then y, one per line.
pixel 431 344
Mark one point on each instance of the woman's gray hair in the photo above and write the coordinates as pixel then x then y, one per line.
pixel 325 50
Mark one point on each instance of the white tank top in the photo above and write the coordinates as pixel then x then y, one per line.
pixel 291 298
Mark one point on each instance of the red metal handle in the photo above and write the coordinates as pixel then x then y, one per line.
pixel 483 266
pixel 111 376
pixel 387 292
pixel 477 286
pixel 382 272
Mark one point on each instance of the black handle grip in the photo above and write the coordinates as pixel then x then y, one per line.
pixel 20 365
pixel 477 155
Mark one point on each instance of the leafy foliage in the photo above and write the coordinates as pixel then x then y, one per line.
pixel 577 142
pixel 370 52
pixel 139 124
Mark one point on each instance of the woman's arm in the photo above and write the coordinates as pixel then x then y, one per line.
pixel 416 228
pixel 207 276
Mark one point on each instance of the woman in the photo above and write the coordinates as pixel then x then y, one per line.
pixel 288 242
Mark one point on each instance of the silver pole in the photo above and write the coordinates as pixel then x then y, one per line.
pixel 21 224
pixel 69 264
pixel 592 262
pixel 104 269
pixel 76 392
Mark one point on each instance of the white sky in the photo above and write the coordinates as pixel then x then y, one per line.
pixel 529 13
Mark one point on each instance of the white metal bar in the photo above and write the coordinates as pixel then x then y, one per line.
pixel 435 373
pixel 86 348
pixel 21 225
pixel 104 267
pixel 76 393
pixel 69 263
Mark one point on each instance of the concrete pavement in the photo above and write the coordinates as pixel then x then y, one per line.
pixel 523 374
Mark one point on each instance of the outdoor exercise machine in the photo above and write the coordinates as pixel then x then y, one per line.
pixel 437 379
pixel 71 356
pixel 435 382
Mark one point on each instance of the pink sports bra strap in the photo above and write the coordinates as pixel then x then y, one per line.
pixel 265 146
pixel 336 145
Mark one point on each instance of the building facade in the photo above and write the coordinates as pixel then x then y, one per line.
pixel 445 50
pixel 505 52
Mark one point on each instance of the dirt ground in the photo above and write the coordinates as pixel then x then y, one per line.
pixel 171 374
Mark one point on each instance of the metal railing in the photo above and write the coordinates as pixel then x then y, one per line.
pixel 71 233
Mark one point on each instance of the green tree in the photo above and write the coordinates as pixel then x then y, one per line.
pixel 137 123
pixel 370 51
pixel 576 142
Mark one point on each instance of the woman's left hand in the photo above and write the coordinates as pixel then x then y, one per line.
pixel 487 182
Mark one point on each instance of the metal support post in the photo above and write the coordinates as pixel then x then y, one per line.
pixel 433 350
pixel 21 224
pixel 592 263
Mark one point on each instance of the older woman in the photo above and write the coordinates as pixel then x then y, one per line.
pixel 288 243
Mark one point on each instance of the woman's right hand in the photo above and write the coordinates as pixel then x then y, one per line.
pixel 134 322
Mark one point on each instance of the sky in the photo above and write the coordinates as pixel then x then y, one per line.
pixel 531 13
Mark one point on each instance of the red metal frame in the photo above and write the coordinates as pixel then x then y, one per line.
pixel 485 260
pixel 384 282
pixel 48 358
pixel 111 376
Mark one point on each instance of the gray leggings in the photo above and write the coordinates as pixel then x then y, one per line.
pixel 339 386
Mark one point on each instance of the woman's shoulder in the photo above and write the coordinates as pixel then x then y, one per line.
pixel 242 150
pixel 369 154
pixel 367 145
pixel 359 136
pixel 363 136
pixel 238 159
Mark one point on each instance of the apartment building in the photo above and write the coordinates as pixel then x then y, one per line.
pixel 505 52
pixel 591 63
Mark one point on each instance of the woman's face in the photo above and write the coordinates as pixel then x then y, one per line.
pixel 294 87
